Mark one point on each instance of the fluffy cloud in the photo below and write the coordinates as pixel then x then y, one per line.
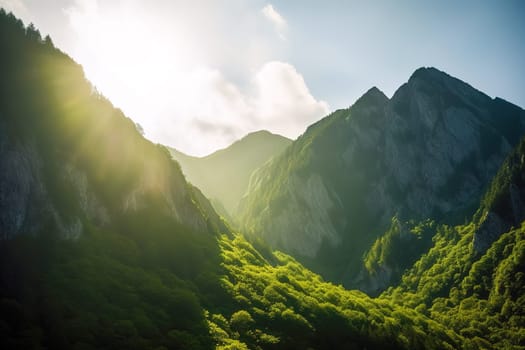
pixel 283 102
pixel 277 20
pixel 213 111
pixel 167 74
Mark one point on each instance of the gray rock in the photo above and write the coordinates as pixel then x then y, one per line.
pixel 491 228
pixel 429 152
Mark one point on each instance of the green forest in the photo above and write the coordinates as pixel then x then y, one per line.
pixel 129 255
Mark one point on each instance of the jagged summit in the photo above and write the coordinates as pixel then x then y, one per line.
pixel 430 79
pixel 428 73
pixel 432 74
pixel 428 152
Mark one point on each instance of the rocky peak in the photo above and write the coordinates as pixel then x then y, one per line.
pixel 428 73
pixel 431 75
pixel 443 89
pixel 428 152
pixel 372 98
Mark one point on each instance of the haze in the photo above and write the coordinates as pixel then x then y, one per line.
pixel 198 75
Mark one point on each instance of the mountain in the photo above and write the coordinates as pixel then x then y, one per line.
pixel 502 209
pixel 101 236
pixel 58 133
pixel 472 277
pixel 104 245
pixel 223 176
pixel 429 152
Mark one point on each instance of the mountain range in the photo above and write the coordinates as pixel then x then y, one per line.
pixel 418 200
pixel 429 152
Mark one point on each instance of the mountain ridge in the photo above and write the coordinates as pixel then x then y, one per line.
pixel 105 245
pixel 432 147
pixel 224 174
pixel 477 266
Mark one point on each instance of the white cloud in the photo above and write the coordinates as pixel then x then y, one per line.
pixel 277 20
pixel 283 102
pixel 212 112
pixel 158 71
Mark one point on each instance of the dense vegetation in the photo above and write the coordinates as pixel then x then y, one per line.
pixel 395 251
pixel 113 240
pixel 479 294
pixel 165 273
pixel 138 290
pixel 297 309
pixel 482 298
pixel 429 152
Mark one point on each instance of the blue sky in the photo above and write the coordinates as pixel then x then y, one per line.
pixel 199 74
pixel 382 42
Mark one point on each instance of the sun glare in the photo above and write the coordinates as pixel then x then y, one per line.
pixel 133 60
pixel 169 70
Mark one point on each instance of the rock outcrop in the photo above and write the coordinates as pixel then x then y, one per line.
pixel 69 158
pixel 503 207
pixel 28 199
pixel 428 152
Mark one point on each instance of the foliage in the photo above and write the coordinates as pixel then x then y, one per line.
pixel 510 178
pixel 481 295
pixel 398 248
pixel 481 298
pixel 147 279
pixel 292 307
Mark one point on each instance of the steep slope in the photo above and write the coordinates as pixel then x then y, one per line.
pixel 104 245
pixel 223 176
pixel 99 232
pixel 429 152
pixel 473 277
pixel 58 133
pixel 502 209
pixel 393 252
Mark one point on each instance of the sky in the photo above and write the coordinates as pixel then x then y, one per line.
pixel 200 74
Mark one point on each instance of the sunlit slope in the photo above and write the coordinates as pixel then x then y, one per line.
pixel 429 152
pixel 280 304
pixel 223 176
pixel 105 246
pixel 68 155
pixel 102 240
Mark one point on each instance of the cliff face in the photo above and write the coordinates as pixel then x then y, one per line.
pixel 28 200
pixel 429 152
pixel 19 186
pixel 503 207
